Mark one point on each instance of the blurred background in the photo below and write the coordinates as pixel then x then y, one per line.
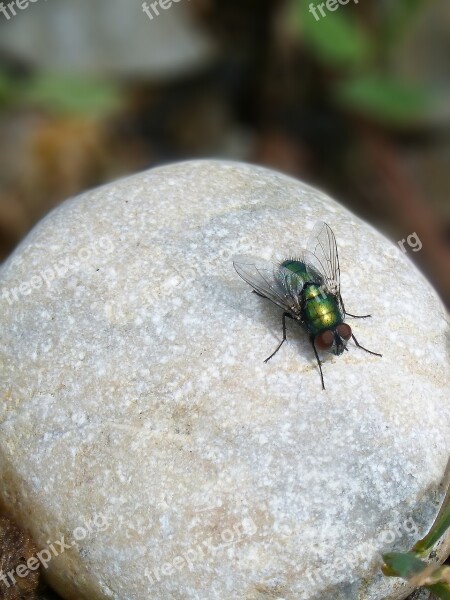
pixel 356 102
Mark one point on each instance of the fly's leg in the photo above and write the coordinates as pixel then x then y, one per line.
pixel 349 314
pixel 365 349
pixel 319 362
pixel 285 314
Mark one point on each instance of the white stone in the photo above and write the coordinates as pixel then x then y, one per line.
pixel 133 388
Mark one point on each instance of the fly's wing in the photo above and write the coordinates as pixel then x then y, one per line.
pixel 322 257
pixel 292 282
pixel 267 279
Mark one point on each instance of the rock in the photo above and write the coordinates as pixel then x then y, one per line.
pixel 139 421
pixel 420 595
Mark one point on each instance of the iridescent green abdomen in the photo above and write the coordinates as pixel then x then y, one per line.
pixel 321 310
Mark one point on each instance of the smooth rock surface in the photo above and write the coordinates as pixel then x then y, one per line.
pixel 139 420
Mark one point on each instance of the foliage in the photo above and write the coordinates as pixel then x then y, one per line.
pixel 394 101
pixel 336 41
pixel 417 572
pixel 61 94
pixel 356 52
pixel 440 527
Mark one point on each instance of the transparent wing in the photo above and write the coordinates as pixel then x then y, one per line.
pixel 322 257
pixel 269 280
pixel 292 281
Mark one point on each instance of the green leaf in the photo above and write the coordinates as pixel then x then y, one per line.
pixel 437 531
pixel 405 565
pixel 383 98
pixel 440 590
pixel 336 38
pixel 418 573
pixel 73 95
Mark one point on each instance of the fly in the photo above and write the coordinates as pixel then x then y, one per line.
pixel 308 289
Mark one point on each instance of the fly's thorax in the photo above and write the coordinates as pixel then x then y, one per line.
pixel 295 266
pixel 297 269
pixel 321 310
pixel 294 274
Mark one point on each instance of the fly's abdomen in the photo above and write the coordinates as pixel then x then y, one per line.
pixel 321 310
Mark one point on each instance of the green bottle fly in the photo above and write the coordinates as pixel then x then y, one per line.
pixel 308 290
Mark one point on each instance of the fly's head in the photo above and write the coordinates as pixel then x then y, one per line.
pixel 335 339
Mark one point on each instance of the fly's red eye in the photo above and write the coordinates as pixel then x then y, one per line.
pixel 345 331
pixel 324 340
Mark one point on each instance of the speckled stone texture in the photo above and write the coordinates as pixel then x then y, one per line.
pixel 136 406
